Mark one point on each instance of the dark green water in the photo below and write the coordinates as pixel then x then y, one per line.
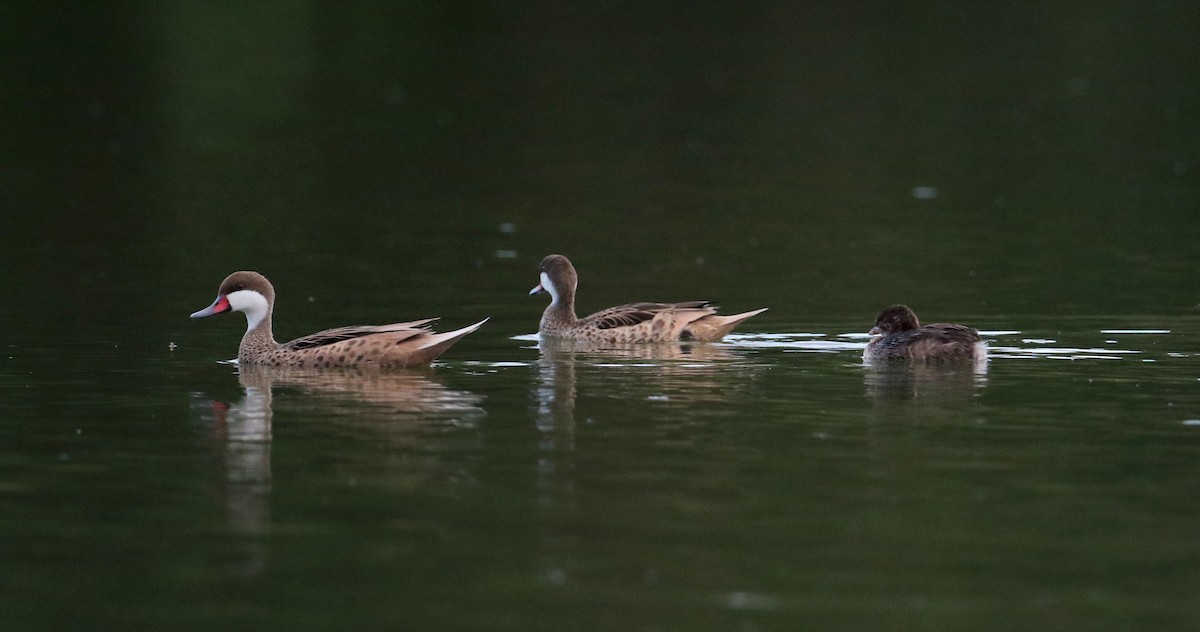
pixel 1030 171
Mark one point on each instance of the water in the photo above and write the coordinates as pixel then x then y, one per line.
pixel 1027 171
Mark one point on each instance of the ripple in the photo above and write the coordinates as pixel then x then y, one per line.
pixel 1021 348
pixel 1060 353
pixel 805 342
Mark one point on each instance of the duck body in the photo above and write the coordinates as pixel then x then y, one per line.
pixel 625 324
pixel 898 335
pixel 385 346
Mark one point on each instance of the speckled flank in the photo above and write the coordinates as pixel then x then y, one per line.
pixel 627 324
pixel 385 346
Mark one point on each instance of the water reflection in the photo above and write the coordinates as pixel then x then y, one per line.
pixel 406 392
pixel 925 382
pixel 587 395
pixel 555 393
pixel 406 412
pixel 690 373
pixel 699 370
pixel 239 434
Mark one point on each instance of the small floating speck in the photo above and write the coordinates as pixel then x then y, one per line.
pixel 508 228
pixel 506 254
pixel 925 193
pixel 1135 331
pixel 1111 342
pixel 1038 341
pixel 742 600
pixel 1177 355
pixel 172 346
pixel 555 576
pixel 658 398
pixel 1191 422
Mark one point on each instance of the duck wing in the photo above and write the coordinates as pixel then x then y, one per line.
pixel 947 333
pixel 341 334
pixel 635 314
pixel 931 342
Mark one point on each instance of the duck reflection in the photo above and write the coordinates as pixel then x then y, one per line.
pixel 240 432
pixel 691 373
pixel 579 384
pixel 929 384
pixel 240 437
pixel 700 369
pixel 410 391
pixel 555 394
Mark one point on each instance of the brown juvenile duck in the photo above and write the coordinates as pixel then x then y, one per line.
pixel 632 323
pixel 395 345
pixel 898 335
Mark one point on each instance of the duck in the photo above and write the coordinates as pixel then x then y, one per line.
pixel 625 324
pixel 384 346
pixel 899 335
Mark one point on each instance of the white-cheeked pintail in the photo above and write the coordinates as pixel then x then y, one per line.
pixel 384 346
pixel 625 324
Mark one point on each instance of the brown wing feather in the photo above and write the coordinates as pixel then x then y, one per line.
pixel 942 332
pixel 637 313
pixel 340 334
pixel 932 342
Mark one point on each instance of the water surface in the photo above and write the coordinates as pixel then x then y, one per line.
pixel 1026 171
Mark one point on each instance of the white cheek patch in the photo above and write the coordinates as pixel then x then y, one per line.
pixel 548 285
pixel 250 303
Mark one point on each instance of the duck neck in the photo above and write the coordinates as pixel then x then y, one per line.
pixel 561 310
pixel 258 338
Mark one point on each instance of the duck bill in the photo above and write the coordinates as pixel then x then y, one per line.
pixel 875 331
pixel 537 290
pixel 219 306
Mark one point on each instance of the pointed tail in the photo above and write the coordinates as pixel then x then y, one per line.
pixel 435 345
pixel 715 327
